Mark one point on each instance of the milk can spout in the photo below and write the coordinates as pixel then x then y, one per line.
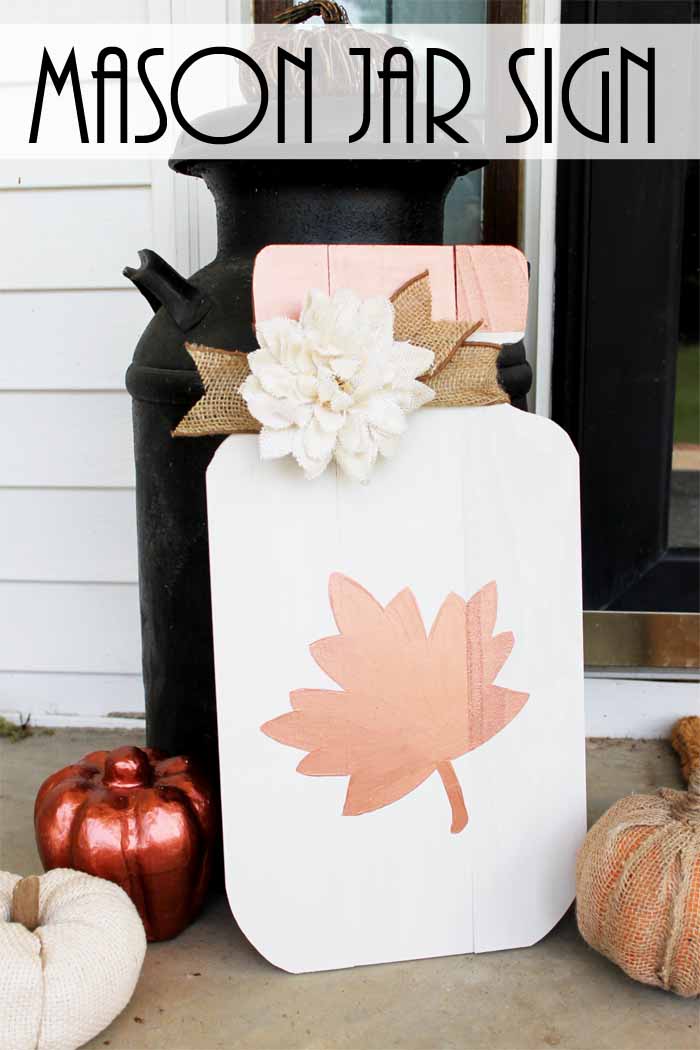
pixel 161 285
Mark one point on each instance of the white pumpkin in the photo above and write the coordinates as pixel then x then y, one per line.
pixel 71 950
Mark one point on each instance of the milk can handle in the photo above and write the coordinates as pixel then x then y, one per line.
pixel 161 285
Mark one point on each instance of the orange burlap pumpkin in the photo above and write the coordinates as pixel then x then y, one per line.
pixel 638 886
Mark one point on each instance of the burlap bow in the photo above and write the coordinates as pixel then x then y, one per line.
pixel 463 374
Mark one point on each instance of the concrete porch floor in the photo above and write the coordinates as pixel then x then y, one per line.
pixel 210 989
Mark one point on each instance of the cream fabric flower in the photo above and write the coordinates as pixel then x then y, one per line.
pixel 334 385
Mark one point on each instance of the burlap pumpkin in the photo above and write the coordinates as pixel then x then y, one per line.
pixel 71 949
pixel 638 887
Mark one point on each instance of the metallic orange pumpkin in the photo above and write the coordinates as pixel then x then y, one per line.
pixel 137 818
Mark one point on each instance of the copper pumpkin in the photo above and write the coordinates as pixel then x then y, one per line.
pixel 139 819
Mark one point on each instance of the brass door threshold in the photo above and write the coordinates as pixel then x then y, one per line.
pixel 642 640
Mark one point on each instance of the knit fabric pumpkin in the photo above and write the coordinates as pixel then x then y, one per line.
pixel 335 71
pixel 71 949
pixel 638 887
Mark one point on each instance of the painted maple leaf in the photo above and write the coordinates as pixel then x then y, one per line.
pixel 412 701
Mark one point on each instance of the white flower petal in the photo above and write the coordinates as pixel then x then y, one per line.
pixel 318 443
pixel 345 367
pixel 274 377
pixel 311 466
pixel 332 322
pixel 250 385
pixel 328 420
pixel 369 380
pixel 341 401
pixel 302 415
pixel 298 358
pixel 315 304
pixel 270 411
pixel 307 387
pixel 386 416
pixel 325 350
pixel 357 466
pixel 376 320
pixel 335 383
pixel 411 361
pixel 274 444
pixel 327 386
pixel 277 381
pixel 260 359
pixel 386 444
pixel 414 395
pixel 317 316
pixel 354 437
pixel 277 333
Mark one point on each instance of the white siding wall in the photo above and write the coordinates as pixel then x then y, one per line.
pixel 69 622
pixel 69 628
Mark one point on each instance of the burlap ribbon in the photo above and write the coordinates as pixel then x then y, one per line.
pixel 463 374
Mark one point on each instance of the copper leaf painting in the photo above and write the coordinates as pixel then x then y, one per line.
pixel 411 701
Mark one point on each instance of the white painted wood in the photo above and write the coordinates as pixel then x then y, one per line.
pixel 22 173
pixel 66 440
pixel 626 707
pixel 185 206
pixel 159 11
pixel 74 11
pixel 71 322
pixel 70 627
pixel 199 11
pixel 540 187
pixel 239 11
pixel 453 511
pixel 103 226
pixel 166 221
pixel 70 699
pixel 71 340
pixel 68 534
pixel 540 235
pixel 538 229
pixel 206 224
pixel 543 11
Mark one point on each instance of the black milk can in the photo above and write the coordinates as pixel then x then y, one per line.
pixel 257 203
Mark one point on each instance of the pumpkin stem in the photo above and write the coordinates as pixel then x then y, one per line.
pixel 25 902
pixel 460 817
pixel 685 739
pixel 127 767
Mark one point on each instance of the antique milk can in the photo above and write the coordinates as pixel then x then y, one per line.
pixel 258 202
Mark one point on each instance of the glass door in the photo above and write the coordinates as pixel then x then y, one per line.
pixel 626 387
pixel 684 508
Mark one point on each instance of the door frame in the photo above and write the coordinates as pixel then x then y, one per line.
pixel 616 323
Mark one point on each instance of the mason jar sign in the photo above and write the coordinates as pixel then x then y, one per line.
pixel 395 576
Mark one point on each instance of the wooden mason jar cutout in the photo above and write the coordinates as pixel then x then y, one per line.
pixel 474 495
